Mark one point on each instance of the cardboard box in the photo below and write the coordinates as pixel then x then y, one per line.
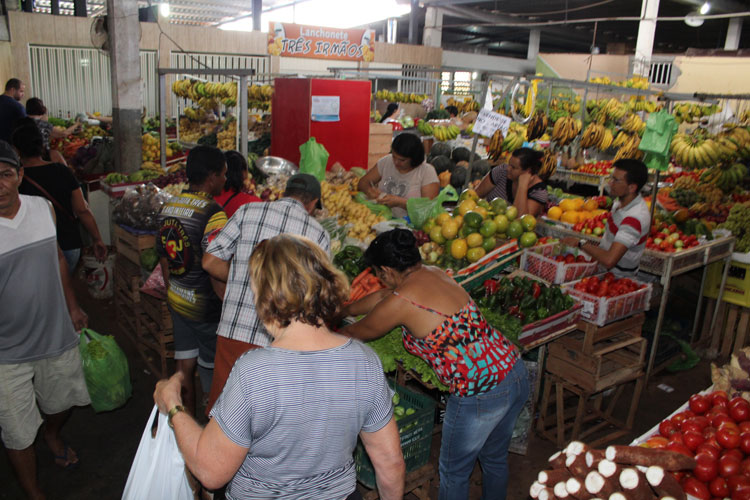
pixel 380 143
pixel 381 129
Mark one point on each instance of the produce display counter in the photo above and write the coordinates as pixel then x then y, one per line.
pixel 571 177
pixel 667 265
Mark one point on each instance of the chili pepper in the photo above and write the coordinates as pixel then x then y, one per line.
pixel 514 310
pixel 490 287
pixel 536 290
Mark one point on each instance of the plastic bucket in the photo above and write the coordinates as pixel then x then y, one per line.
pixel 99 275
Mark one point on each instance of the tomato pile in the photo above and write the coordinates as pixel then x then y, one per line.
pixel 598 168
pixel 716 431
pixel 607 285
pixel 594 225
pixel 695 174
pixel 572 259
pixel 669 238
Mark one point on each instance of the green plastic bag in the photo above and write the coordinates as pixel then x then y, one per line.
pixel 313 159
pixel 375 208
pixel 422 209
pixel 657 137
pixel 105 369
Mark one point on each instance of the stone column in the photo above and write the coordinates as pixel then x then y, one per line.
pixel 257 11
pixel 433 23
pixel 533 51
pixel 734 31
pixel 644 46
pixel 125 67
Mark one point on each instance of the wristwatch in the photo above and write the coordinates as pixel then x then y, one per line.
pixel 174 411
pixel 581 242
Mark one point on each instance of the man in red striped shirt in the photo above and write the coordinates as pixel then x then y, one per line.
pixel 624 240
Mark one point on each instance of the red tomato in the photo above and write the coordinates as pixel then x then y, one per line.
pixel 581 258
pixel 718 410
pixel 690 425
pixel 738 484
pixel 710 450
pixel 739 409
pixel 709 432
pixel 718 487
pixel 719 398
pixel 679 448
pixel 692 440
pixel 745 442
pixel 570 258
pixel 729 424
pixel 667 428
pixel 676 437
pixel 744 427
pixel 706 468
pixel 699 404
pixel 745 467
pixel 733 453
pixel 701 420
pixel 720 418
pixel 729 466
pixel 696 488
pixel 658 442
pixel 677 419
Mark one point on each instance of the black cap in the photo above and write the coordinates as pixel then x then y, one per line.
pixel 8 155
pixel 306 183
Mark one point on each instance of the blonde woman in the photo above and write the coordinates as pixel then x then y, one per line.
pixel 287 422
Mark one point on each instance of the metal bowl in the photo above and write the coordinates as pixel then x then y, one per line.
pixel 273 165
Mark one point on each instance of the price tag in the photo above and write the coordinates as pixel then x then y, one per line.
pixel 588 308
pixel 488 122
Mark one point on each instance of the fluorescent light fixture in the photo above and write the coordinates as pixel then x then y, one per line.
pixel 705 8
pixel 328 13
pixel 164 9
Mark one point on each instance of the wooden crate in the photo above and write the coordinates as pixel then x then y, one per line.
pixel 131 245
pixel 156 310
pixel 594 334
pixel 156 340
pixel 417 483
pixel 126 314
pixel 730 333
pixel 616 358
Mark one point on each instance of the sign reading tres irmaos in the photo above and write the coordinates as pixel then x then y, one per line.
pixel 298 40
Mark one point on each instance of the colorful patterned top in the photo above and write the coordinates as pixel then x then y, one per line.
pixel 467 354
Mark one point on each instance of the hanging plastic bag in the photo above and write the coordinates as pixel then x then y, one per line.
pixel 313 159
pixel 158 470
pixel 376 208
pixel 105 369
pixel 422 209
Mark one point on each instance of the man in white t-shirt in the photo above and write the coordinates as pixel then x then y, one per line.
pixel 40 367
pixel 624 240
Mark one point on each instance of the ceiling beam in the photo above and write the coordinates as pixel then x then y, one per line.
pixel 717 5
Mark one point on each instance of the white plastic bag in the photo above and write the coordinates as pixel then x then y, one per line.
pixel 158 470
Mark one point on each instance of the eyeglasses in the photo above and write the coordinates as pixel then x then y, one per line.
pixel 614 179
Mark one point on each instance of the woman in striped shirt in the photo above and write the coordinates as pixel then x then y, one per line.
pixel 518 182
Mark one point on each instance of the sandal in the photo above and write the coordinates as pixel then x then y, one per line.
pixel 64 459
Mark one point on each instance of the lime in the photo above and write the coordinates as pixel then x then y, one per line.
pixel 465 231
pixel 488 228
pixel 473 219
pixel 499 205
pixel 458 248
pixel 436 235
pixel 468 194
pixel 511 213
pixel 474 240
pixel 466 206
pixel 528 239
pixel 502 223
pixel 427 227
pixel 489 244
pixel 528 222
pixel 515 229
pixel 474 254
pixel 484 204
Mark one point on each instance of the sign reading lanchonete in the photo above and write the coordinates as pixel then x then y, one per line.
pixel 298 40
pixel 489 121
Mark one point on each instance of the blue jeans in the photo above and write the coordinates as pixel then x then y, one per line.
pixel 72 257
pixel 481 427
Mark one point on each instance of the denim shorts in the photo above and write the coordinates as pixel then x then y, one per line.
pixel 194 339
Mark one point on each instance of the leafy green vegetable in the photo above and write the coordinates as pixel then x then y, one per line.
pixel 390 349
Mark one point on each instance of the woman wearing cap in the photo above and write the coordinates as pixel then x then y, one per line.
pixel 234 195
pixel 518 182
pixel 36 109
pixel 441 324
pixel 287 421
pixel 401 175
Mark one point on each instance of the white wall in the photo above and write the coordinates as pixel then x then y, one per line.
pixel 481 62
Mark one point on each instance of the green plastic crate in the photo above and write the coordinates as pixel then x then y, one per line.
pixel 415 431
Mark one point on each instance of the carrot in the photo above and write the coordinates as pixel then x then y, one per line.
pixel 361 276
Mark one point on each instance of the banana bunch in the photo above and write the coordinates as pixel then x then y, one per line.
pixel 739 137
pixel 629 148
pixel 537 126
pixel 596 135
pixel 259 92
pixel 614 110
pixel 195 114
pixel 566 128
pixel 442 133
pixel 115 178
pixel 195 90
pixel 150 165
pixel 633 124
pixel 425 128
pixel 468 104
pixel 636 104
pixel 338 201
pixel 693 112
pixel 697 151
pixel 549 165
pixel 495 149
pixel 725 176
pixel 175 167
pixel 387 95
pixel 745 116
pixel 513 140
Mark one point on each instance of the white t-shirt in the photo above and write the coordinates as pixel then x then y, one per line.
pixel 630 226
pixel 408 185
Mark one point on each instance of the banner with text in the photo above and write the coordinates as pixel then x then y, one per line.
pixel 489 121
pixel 297 40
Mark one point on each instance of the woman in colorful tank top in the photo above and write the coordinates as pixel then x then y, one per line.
pixel 442 325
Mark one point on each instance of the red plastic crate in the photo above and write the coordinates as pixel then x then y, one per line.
pixel 540 261
pixel 603 310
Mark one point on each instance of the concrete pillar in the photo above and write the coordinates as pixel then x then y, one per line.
pixel 79 8
pixel 391 30
pixel 433 27
pixel 533 51
pixel 734 31
pixel 644 46
pixel 55 7
pixel 127 100
pixel 413 22
pixel 257 11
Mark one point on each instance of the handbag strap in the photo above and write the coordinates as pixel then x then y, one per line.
pixel 229 199
pixel 51 198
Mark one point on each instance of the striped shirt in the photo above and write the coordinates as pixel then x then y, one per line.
pixel 630 226
pixel 504 187
pixel 251 224
pixel 299 413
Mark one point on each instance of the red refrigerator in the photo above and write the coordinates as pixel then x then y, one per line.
pixel 335 112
